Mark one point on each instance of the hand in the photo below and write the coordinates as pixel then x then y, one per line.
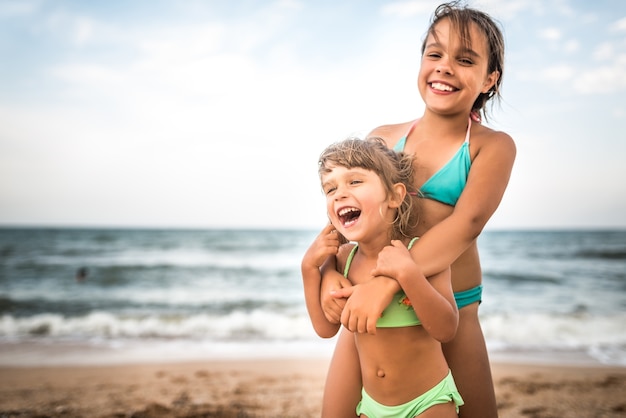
pixel 393 259
pixel 324 245
pixel 333 282
pixel 366 303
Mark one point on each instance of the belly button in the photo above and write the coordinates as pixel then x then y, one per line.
pixel 380 373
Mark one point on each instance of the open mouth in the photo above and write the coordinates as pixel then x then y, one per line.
pixel 348 216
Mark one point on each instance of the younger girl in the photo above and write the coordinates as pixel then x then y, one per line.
pixel 368 190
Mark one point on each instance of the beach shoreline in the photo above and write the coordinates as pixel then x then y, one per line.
pixel 290 387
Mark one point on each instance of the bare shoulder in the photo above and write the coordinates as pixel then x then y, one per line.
pixel 390 133
pixel 486 138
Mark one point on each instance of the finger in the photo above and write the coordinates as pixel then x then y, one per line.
pixel 345 318
pixel 341 303
pixel 332 317
pixel 397 243
pixel 371 326
pixel 328 229
pixel 333 313
pixel 349 320
pixel 344 292
pixel 362 325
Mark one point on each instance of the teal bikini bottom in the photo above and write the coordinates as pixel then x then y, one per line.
pixel 469 296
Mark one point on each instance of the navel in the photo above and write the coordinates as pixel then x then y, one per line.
pixel 380 373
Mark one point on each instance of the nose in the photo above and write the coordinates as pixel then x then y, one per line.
pixel 443 67
pixel 340 193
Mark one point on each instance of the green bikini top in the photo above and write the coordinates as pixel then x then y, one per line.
pixel 400 312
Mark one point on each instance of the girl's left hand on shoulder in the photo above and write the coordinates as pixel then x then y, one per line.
pixel 391 259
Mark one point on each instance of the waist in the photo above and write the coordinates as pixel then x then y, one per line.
pixel 469 296
pixel 422 367
pixel 466 270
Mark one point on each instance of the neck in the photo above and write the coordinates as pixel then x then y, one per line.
pixel 371 248
pixel 437 125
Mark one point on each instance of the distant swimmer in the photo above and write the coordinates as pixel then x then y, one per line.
pixel 81 274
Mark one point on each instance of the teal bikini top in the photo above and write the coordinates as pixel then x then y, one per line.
pixel 447 184
pixel 400 312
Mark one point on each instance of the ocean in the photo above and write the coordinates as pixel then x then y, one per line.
pixel 74 296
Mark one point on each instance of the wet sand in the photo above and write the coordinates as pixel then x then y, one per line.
pixel 276 388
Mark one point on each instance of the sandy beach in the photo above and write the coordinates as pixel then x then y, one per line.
pixel 276 388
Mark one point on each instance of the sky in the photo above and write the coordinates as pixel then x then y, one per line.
pixel 202 114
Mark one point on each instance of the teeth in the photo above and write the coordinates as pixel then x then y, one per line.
pixel 345 211
pixel 441 86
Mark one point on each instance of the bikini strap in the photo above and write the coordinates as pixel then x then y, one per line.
pixel 346 269
pixel 349 261
pixel 408 132
pixel 469 127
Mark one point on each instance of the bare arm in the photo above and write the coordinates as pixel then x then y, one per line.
pixel 325 244
pixel 488 178
pixel 332 281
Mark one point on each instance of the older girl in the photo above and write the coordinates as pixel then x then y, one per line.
pixel 462 168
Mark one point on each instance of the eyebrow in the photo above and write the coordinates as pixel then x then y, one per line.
pixel 468 51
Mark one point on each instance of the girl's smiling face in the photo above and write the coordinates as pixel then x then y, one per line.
pixel 452 76
pixel 357 202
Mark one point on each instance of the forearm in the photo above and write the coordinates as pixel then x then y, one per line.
pixel 437 313
pixel 442 244
pixel 311 279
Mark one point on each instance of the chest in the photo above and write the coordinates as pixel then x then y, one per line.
pixel 431 156
pixel 359 270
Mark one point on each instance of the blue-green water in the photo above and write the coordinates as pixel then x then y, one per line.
pixel 239 293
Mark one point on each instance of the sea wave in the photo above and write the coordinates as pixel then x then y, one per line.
pixel 602 338
pixel 512 330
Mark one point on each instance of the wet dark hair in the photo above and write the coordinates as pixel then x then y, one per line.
pixel 461 18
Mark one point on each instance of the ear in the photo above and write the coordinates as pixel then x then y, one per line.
pixel 399 192
pixel 490 81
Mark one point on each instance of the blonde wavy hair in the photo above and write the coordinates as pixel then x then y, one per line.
pixel 392 168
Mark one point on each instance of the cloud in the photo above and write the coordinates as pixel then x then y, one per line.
pixel 407 9
pixel 562 72
pixel 87 75
pixel 605 79
pixel 186 118
pixel 13 8
pixel 550 34
pixel 604 52
pixel 83 31
pixel 571 46
pixel 619 26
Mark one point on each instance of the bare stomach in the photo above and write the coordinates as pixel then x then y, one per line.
pixel 415 365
